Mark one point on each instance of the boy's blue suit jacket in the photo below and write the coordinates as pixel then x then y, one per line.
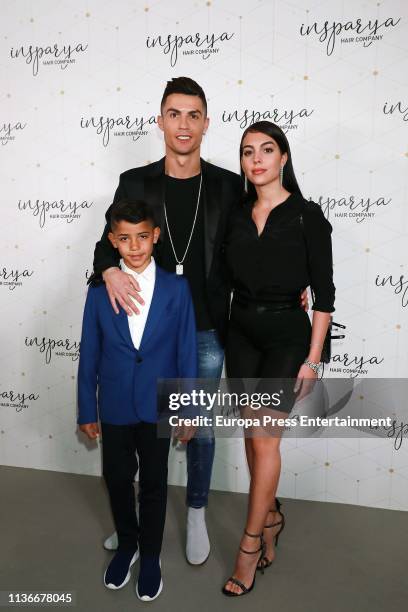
pixel 126 378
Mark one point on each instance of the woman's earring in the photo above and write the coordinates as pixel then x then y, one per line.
pixel 281 176
pixel 246 184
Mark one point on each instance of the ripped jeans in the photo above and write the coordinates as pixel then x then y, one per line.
pixel 200 450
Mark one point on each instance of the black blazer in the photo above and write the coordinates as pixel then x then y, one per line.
pixel 221 191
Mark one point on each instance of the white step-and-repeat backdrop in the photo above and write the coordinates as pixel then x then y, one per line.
pixel 80 88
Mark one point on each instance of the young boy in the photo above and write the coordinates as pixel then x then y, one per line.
pixel 122 357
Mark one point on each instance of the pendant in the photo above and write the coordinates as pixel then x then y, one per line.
pixel 179 269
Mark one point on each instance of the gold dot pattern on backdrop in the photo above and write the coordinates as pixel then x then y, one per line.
pixel 240 81
pixel 375 72
pixel 337 156
pixel 326 463
pixel 87 14
pixel 398 326
pixel 391 470
pixel 361 397
pixel 62 92
pixel 146 9
pixel 118 88
pixel 367 250
pixel 306 77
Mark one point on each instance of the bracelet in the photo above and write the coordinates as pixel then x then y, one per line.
pixel 312 365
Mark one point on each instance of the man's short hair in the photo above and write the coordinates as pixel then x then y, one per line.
pixel 133 211
pixel 186 86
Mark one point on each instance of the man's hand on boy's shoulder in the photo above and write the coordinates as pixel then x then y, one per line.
pixel 90 429
pixel 120 286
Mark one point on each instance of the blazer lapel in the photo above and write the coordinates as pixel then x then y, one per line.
pixel 158 303
pixel 122 325
pixel 212 210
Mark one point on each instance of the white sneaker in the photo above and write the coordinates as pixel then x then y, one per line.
pixel 111 543
pixel 198 543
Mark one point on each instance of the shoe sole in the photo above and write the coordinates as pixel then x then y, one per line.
pixel 146 597
pixel 113 587
pixel 200 563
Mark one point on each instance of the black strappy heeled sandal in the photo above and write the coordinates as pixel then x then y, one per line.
pixel 245 590
pixel 265 562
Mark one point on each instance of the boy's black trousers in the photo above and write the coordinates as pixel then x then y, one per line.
pixel 120 443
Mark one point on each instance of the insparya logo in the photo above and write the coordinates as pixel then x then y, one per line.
pixel 50 346
pixel 203 45
pixel 8 131
pixel 397 108
pixel 346 363
pixel 286 119
pixel 397 284
pixel 13 278
pixel 133 127
pixel 359 31
pixel 61 210
pixel 358 208
pixel 50 55
pixel 17 399
pixel 353 365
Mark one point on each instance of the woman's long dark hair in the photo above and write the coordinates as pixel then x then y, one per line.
pixel 273 131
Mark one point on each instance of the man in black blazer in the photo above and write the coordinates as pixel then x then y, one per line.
pixel 191 199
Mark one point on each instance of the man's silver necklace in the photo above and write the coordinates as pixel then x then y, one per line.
pixel 179 266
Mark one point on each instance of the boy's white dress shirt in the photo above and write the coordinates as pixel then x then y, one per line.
pixel 146 282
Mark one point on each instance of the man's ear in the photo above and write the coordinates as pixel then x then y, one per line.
pixel 206 124
pixel 160 122
pixel 156 234
pixel 113 240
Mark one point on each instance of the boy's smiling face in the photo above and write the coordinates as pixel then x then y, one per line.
pixel 134 242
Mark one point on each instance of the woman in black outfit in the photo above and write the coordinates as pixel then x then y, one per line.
pixel 278 243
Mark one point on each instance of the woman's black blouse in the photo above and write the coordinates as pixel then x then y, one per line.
pixel 293 251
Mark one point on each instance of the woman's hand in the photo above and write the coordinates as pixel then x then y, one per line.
pixel 305 382
pixel 120 286
pixel 304 300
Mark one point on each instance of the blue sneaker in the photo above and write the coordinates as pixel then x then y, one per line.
pixel 149 585
pixel 117 573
